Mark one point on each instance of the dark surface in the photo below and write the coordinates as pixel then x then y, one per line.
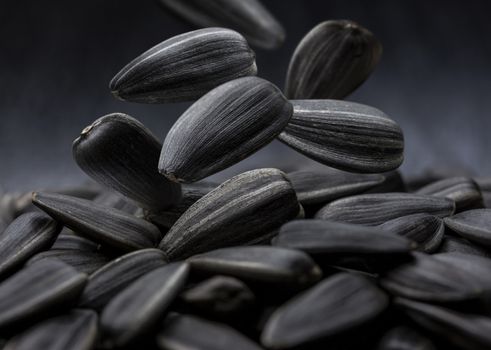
pixel 57 58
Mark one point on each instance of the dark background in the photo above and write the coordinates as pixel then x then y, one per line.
pixel 57 57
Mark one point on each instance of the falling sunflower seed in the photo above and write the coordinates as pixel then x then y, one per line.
pixel 76 330
pixel 248 17
pixel 138 307
pixel 338 304
pixel 109 226
pixel 185 67
pixel 233 214
pixel 475 225
pixel 425 229
pixel 331 61
pixel 375 209
pixel 225 126
pixel 27 235
pixel 110 279
pixel 40 288
pixel 121 153
pixel 345 135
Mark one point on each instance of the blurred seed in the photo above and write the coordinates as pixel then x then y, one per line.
pixel 464 191
pixel 114 200
pixel 429 279
pixel 264 264
pixel 76 330
pixel 332 60
pixel 333 239
pixel 318 187
pixel 138 307
pixel 7 210
pixel 73 242
pixel 404 338
pixel 233 214
pixel 248 17
pixel 467 331
pixel 462 245
pixel 43 287
pixel 122 154
pixel 185 67
pixel 190 332
pixel 475 225
pixel 110 279
pixel 425 229
pixel 82 261
pixel 102 224
pixel 25 236
pixel 225 126
pixel 345 135
pixel 393 183
pixel 375 209
pixel 338 304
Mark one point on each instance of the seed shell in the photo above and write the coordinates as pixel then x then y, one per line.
pixel 345 135
pixel 461 245
pixel 404 338
pixel 225 126
pixel 475 225
pixel 82 261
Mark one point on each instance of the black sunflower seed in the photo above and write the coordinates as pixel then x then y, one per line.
pixel 248 17
pixel 43 287
pixel 375 209
pixel 462 245
pixel 67 241
pixel 185 67
pixel 464 191
pixel 76 330
pixel 475 225
pixel 233 214
pixel 336 305
pixel 116 201
pixel 404 338
pixel 425 229
pixel 110 279
pixel 139 307
pixel 467 331
pixel 25 236
pixel 83 261
pixel 109 226
pixel 122 154
pixel 429 279
pixel 260 264
pixel 332 60
pixel 225 126
pixel 345 135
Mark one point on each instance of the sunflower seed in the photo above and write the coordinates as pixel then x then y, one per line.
pixel 232 214
pixel 76 330
pixel 113 200
pixel 82 261
pixel 318 187
pixel 345 135
pixel 25 236
pixel 122 154
pixel 190 332
pixel 475 225
pixel 333 239
pixel 110 279
pixel 393 183
pixel 429 279
pixel 467 331
pixel 263 264
pixel 464 191
pixel 138 307
pixel 425 229
pixel 461 245
pixel 404 338
pixel 221 297
pixel 46 286
pixel 375 209
pixel 248 17
pixel 102 224
pixel 225 126
pixel 338 304
pixel 73 242
pixel 331 61
pixel 185 67
pixel 7 210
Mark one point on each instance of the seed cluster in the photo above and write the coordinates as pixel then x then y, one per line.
pixel 153 257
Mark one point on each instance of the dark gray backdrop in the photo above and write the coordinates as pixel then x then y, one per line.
pixel 57 57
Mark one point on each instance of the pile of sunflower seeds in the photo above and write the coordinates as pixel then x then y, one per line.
pixel 152 256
